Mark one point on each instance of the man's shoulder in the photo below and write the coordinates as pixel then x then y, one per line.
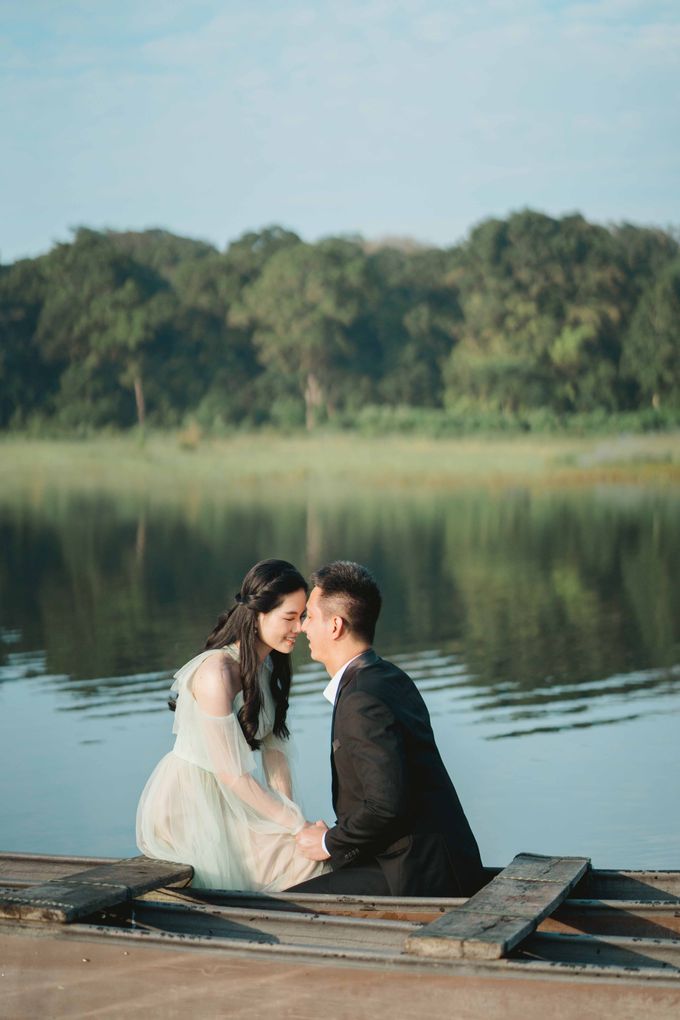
pixel 378 672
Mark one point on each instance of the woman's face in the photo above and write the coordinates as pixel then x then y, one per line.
pixel 279 628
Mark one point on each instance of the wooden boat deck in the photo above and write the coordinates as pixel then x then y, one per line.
pixel 66 979
pixel 615 931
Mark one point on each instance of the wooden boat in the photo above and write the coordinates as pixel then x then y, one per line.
pixel 541 925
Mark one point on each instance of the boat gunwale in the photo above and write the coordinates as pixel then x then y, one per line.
pixel 362 913
pixel 593 876
pixel 513 967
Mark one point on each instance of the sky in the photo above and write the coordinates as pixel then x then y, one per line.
pixel 384 118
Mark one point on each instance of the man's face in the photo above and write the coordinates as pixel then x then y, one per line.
pixel 317 628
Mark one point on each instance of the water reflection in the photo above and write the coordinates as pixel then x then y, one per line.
pixel 543 631
pixel 506 710
pixel 538 608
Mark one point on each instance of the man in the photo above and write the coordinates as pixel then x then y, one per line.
pixel 400 828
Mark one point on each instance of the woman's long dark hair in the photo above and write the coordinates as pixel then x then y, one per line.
pixel 263 589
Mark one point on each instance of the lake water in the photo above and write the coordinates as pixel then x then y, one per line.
pixel 542 628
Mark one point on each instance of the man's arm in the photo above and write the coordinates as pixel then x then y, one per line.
pixel 372 751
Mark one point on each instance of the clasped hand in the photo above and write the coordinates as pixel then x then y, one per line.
pixel 310 841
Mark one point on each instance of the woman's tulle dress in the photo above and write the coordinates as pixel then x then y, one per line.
pixel 202 805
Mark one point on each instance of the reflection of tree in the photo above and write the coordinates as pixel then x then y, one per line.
pixel 650 583
pixel 564 590
pixel 140 539
pixel 531 593
pixel 313 542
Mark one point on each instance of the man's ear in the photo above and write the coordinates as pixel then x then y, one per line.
pixel 339 627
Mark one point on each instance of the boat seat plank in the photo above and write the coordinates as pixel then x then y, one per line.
pixel 502 913
pixel 67 899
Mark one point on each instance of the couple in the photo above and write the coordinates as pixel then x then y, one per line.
pixel 400 828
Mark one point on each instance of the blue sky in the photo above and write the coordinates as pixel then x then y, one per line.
pixel 407 117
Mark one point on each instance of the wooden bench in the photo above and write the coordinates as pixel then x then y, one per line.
pixel 68 899
pixel 503 913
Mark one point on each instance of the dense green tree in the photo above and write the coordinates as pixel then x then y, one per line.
pixel 248 255
pixel 102 311
pixel 301 309
pixel 545 306
pixel 652 346
pixel 26 382
pixel 529 314
pixel 159 249
pixel 415 318
pixel 226 366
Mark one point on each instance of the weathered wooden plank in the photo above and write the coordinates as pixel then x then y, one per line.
pixel 161 977
pixel 471 936
pixel 603 950
pixel 516 897
pixel 298 929
pixel 387 908
pixel 631 918
pixel 539 868
pixel 274 927
pixel 603 884
pixel 33 869
pixel 60 902
pixel 614 917
pixel 65 899
pixel 503 913
pixel 138 874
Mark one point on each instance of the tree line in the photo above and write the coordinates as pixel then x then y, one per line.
pixel 529 319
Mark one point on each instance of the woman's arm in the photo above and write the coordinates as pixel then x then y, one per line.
pixel 215 686
pixel 277 768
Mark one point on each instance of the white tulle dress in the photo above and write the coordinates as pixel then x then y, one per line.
pixel 203 806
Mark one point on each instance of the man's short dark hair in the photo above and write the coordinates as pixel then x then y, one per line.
pixel 356 593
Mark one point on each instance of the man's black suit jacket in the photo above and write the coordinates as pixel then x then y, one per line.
pixel 393 798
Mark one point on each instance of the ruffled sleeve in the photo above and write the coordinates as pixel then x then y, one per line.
pixel 273 743
pixel 276 763
pixel 227 748
pixel 213 697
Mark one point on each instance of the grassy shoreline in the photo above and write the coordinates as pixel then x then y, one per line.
pixel 166 462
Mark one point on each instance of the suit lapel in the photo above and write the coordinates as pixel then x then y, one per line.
pixel 366 658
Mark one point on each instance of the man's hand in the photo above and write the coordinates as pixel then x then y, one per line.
pixel 310 841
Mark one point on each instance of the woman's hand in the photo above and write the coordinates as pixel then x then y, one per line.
pixel 310 841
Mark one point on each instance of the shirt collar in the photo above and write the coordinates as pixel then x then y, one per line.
pixel 331 691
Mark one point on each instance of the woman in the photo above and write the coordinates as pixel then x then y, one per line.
pixel 202 805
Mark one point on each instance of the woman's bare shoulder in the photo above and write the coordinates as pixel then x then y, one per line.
pixel 217 678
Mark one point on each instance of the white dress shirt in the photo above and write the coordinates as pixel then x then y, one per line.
pixel 331 691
